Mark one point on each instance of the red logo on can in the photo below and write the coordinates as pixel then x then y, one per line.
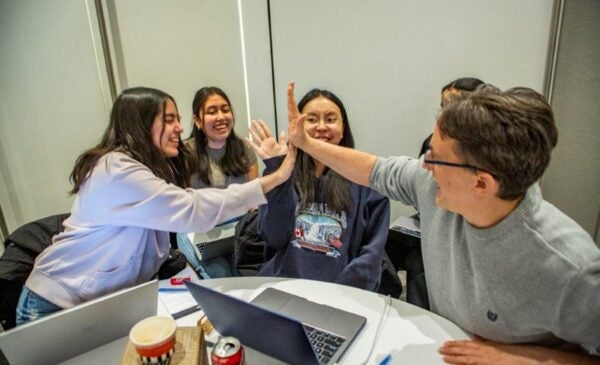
pixel 227 351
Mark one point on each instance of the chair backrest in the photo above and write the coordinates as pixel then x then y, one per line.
pixel 21 248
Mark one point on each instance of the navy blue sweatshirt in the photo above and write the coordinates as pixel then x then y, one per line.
pixel 320 244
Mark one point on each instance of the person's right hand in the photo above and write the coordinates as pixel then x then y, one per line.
pixel 263 142
pixel 296 131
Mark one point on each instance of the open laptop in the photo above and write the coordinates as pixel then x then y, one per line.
pixel 68 333
pixel 282 325
pixel 216 242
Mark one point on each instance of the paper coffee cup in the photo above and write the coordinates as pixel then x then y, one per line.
pixel 154 339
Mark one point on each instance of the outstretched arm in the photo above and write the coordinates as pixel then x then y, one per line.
pixel 483 352
pixel 276 217
pixel 352 164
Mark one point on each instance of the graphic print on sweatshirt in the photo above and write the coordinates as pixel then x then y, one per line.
pixel 319 229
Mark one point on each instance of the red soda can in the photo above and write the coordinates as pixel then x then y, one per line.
pixel 227 351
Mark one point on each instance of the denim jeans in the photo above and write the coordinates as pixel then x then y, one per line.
pixel 31 307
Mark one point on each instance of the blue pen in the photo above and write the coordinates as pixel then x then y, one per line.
pixel 386 360
pixel 172 289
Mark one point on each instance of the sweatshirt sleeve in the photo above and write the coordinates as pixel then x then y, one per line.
pixel 123 192
pixel 395 178
pixel 276 218
pixel 364 271
pixel 578 318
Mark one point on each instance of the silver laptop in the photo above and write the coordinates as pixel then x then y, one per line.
pixel 219 241
pixel 281 325
pixel 76 330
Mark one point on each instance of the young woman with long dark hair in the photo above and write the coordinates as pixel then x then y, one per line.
pixel 322 226
pixel 129 193
pixel 223 157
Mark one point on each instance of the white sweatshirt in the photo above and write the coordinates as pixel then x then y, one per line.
pixel 117 234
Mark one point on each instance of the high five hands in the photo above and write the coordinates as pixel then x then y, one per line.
pixel 297 134
pixel 265 146
pixel 263 142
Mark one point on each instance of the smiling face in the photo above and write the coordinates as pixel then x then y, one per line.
pixel 216 120
pixel 455 184
pixel 166 130
pixel 324 120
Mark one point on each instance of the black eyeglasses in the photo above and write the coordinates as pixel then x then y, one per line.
pixel 430 161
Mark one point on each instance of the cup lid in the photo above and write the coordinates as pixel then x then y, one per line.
pixel 152 331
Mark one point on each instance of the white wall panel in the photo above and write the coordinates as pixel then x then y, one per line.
pixel 387 59
pixel 572 181
pixel 53 103
pixel 179 47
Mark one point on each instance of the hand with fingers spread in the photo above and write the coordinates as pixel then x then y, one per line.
pixel 263 142
pixel 282 174
pixel 296 132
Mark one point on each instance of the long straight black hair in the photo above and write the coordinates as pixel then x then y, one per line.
pixel 130 131
pixel 334 188
pixel 234 161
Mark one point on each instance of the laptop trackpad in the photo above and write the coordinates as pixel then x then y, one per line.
pixel 295 307
pixel 307 312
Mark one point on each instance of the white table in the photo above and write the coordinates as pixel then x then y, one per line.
pixel 410 334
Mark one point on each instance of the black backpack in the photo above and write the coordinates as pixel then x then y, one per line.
pixel 250 251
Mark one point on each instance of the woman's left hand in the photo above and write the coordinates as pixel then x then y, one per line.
pixel 282 174
pixel 263 142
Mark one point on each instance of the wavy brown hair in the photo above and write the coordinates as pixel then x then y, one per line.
pixel 129 131
pixel 509 133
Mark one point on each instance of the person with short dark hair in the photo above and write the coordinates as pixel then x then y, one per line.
pixel 450 92
pixel 501 262
pixel 129 194
pixel 320 225
pixel 459 86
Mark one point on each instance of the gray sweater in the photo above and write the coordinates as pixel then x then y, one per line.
pixel 117 234
pixel 532 278
pixel 217 178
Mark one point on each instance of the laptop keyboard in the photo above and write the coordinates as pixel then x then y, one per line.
pixel 324 343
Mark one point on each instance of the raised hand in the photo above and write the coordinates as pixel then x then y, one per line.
pixel 282 174
pixel 296 132
pixel 263 142
pixel 292 107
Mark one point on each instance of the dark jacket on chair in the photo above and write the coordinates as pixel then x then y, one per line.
pixel 21 249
